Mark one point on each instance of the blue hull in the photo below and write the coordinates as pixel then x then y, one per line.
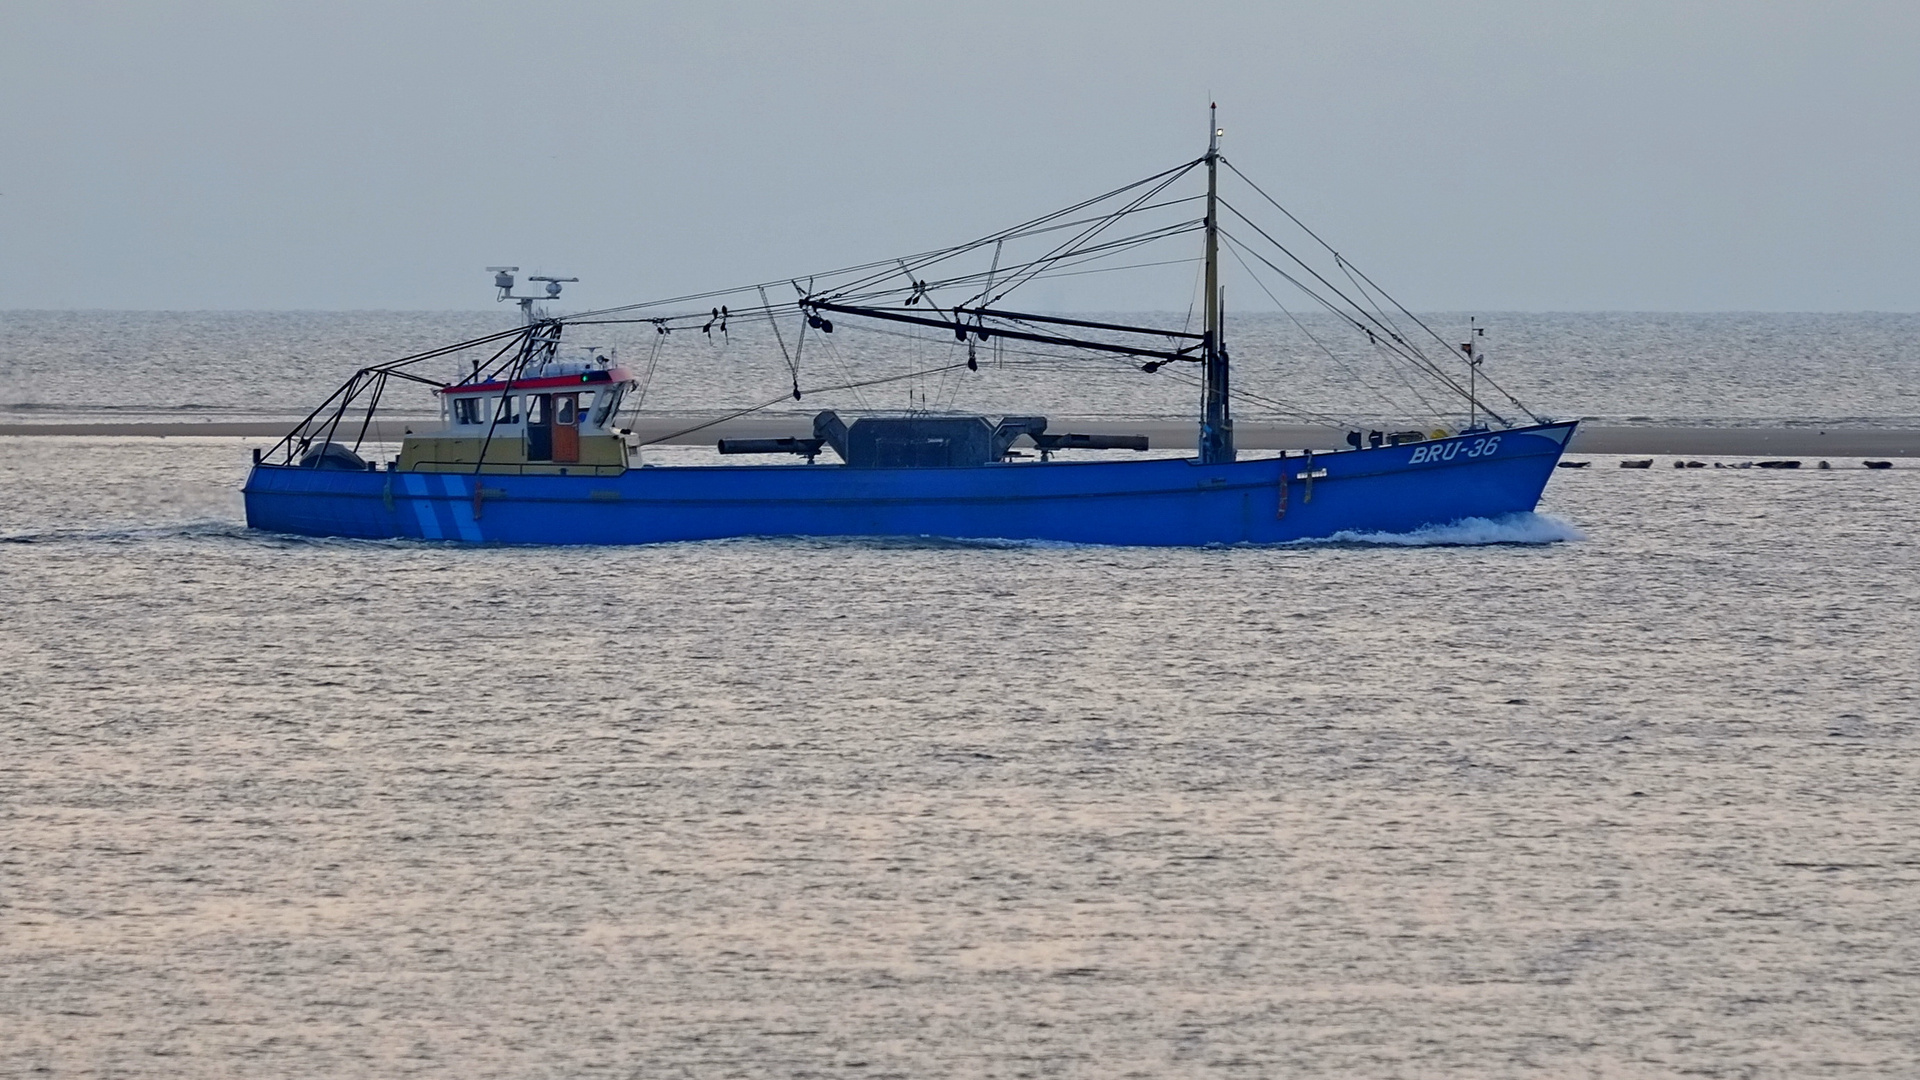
pixel 1166 502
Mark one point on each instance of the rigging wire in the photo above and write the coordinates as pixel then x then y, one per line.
pixel 1039 266
pixel 793 365
pixel 846 368
pixel 1394 344
pixel 646 382
pixel 1443 342
pixel 1110 269
pixel 1277 406
pixel 1040 270
pixel 1034 226
pixel 1330 286
pixel 1173 173
pixel 1234 246
pixel 1093 230
pixel 1330 249
pixel 1075 361
pixel 751 409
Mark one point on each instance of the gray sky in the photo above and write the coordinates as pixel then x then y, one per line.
pixel 1472 155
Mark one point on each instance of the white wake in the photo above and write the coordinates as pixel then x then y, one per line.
pixel 1467 532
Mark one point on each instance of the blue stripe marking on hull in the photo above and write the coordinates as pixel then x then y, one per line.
pixel 423 509
pixel 457 489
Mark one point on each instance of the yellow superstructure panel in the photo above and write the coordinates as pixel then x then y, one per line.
pixel 600 455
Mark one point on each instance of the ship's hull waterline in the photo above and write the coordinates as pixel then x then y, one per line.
pixel 1158 502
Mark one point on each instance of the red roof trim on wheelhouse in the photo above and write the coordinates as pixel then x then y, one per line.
pixel 551 382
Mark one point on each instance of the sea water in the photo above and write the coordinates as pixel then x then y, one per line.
pixel 1634 796
pixel 1628 788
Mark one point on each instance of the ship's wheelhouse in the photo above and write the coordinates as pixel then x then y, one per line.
pixel 557 419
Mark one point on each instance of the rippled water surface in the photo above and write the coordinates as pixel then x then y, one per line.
pixel 1853 369
pixel 1638 804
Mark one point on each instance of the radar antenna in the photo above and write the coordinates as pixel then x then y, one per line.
pixel 503 281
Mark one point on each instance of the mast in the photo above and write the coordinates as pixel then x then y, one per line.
pixel 1216 424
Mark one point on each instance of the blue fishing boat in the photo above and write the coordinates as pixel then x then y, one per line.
pixel 531 446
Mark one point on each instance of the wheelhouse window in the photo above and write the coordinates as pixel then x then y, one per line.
pixel 506 411
pixel 466 410
pixel 608 406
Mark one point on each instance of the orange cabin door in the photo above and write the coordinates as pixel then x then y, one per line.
pixel 566 427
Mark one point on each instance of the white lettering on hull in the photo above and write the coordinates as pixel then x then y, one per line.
pixel 1428 453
